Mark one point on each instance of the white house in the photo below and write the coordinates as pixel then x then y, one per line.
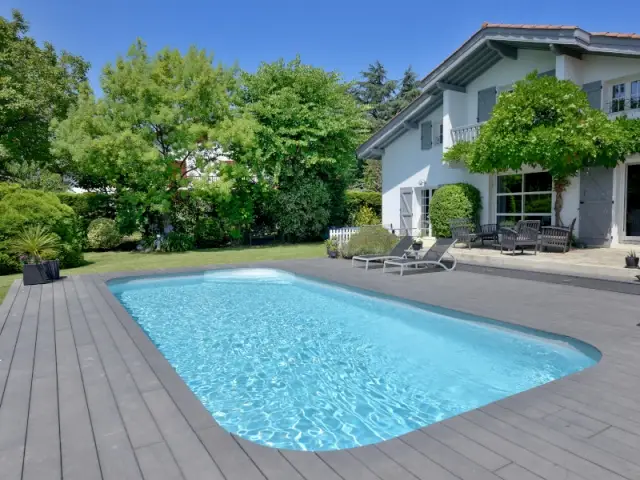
pixel 460 93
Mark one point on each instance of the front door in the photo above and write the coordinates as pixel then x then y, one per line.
pixel 596 198
pixel 632 202
pixel 406 211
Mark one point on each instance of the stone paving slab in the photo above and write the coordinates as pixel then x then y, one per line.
pixel 84 394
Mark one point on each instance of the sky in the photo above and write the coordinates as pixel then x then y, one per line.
pixel 340 35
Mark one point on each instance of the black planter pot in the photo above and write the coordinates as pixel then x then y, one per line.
pixel 38 273
pixel 332 253
pixel 632 262
pixel 416 246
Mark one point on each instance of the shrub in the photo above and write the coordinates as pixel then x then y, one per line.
pixel 103 234
pixel 458 200
pixel 22 208
pixel 355 200
pixel 371 239
pixel 177 242
pixel 8 263
pixel 365 216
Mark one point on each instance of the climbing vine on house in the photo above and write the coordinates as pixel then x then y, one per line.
pixel 546 123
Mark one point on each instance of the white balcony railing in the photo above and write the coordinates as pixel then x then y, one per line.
pixel 467 133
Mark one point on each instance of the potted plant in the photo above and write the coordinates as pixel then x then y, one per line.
pixel 631 259
pixel 37 248
pixel 417 244
pixel 332 247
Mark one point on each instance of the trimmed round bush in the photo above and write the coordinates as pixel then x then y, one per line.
pixel 370 239
pixel 103 234
pixel 21 208
pixel 458 200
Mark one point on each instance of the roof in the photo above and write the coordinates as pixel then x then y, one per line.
pixel 558 27
pixel 486 47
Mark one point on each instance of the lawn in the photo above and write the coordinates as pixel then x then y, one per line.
pixel 100 262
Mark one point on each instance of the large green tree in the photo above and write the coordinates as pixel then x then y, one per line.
pixel 305 128
pixel 378 92
pixel 409 90
pixel 548 123
pixel 37 85
pixel 158 118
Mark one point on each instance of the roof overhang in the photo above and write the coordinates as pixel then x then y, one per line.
pixel 482 51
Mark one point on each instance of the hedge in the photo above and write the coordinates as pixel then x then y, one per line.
pixel 458 200
pixel 90 205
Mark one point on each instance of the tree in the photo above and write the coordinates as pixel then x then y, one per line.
pixel 409 89
pixel 378 92
pixel 305 129
pixel 548 123
pixel 157 120
pixel 372 175
pixel 37 85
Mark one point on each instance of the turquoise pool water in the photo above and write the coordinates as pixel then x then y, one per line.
pixel 292 363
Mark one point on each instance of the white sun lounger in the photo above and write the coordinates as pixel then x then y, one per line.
pixel 432 257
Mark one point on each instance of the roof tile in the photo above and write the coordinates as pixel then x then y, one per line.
pixel 614 34
pixel 558 27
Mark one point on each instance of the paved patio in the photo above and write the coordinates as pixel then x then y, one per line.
pixel 588 262
pixel 86 395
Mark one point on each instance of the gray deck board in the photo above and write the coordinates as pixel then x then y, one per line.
pixel 380 464
pixel 84 394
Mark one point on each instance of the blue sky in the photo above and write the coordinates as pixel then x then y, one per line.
pixel 343 35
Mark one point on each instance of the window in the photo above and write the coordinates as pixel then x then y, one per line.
pixel 524 197
pixel 635 94
pixel 425 221
pixel 617 97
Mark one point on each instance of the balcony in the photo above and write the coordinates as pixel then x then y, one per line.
pixel 629 107
pixel 467 133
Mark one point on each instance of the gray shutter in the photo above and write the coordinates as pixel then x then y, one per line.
pixel 426 135
pixel 550 73
pixel 594 93
pixel 486 102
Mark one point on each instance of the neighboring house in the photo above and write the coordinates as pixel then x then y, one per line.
pixel 213 157
pixel 459 94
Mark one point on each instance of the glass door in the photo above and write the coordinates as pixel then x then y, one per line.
pixel 632 201
pixel 425 221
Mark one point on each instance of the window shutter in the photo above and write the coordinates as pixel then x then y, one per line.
pixel 426 135
pixel 594 93
pixel 486 102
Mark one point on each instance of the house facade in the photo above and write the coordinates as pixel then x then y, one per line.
pixel 459 95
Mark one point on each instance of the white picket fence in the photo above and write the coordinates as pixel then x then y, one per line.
pixel 342 234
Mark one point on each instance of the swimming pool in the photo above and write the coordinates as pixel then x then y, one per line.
pixel 292 363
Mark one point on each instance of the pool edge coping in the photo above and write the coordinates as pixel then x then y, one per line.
pixel 194 411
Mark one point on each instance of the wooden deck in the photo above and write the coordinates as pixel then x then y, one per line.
pixel 85 395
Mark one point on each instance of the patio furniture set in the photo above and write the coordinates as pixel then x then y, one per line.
pixel 525 234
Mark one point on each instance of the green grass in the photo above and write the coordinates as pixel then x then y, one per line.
pixel 101 262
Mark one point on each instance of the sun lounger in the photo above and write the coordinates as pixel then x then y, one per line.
pixel 396 252
pixel 432 257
